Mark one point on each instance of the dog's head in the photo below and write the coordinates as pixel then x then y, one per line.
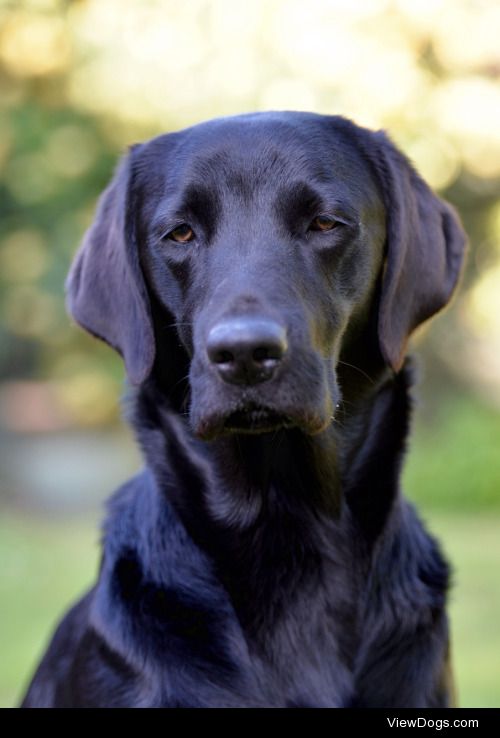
pixel 266 243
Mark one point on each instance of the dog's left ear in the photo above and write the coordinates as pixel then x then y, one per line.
pixel 425 249
pixel 106 292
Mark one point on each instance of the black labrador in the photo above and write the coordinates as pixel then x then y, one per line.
pixel 260 276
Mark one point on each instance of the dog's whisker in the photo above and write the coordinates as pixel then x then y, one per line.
pixel 358 369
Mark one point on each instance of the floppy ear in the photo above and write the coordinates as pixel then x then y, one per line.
pixel 425 248
pixel 106 293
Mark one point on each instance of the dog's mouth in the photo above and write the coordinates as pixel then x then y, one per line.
pixel 254 418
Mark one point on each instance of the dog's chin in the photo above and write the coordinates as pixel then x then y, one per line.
pixel 253 419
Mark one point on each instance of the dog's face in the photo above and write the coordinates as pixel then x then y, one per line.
pixel 266 242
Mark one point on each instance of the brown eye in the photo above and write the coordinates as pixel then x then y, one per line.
pixel 322 223
pixel 181 234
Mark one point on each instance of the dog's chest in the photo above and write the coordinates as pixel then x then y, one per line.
pixel 306 660
pixel 279 627
pixel 297 656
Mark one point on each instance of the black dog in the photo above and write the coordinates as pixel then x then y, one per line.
pixel 260 275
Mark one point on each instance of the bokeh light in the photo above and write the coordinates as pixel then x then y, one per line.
pixel 82 80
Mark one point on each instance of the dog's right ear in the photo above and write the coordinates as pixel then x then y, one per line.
pixel 106 292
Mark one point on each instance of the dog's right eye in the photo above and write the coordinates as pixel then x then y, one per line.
pixel 323 223
pixel 181 234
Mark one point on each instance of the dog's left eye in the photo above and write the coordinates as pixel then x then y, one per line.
pixel 323 223
pixel 181 234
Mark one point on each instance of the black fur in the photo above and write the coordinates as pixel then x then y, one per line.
pixel 269 561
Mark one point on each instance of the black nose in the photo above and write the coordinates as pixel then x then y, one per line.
pixel 247 350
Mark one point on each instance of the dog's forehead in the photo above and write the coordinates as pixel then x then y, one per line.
pixel 261 150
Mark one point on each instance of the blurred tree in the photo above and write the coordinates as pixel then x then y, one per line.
pixel 81 80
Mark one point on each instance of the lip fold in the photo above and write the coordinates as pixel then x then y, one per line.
pixel 254 418
pixel 250 418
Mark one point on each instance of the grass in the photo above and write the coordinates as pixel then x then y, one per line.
pixel 472 544
pixel 454 463
pixel 47 564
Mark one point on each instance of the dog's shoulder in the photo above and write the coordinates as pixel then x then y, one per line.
pixel 405 614
pixel 410 572
pixel 76 642
pixel 55 667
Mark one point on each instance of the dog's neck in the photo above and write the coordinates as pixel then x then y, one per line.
pixel 274 502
